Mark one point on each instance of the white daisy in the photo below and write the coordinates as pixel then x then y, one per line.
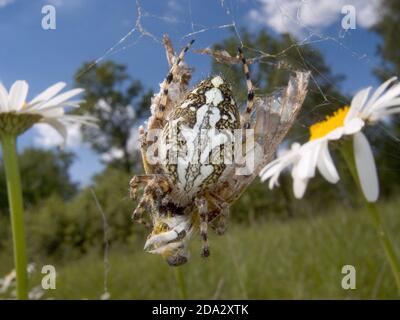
pixel 18 115
pixel 314 154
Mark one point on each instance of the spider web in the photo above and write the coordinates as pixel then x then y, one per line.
pixel 187 25
pixel 186 28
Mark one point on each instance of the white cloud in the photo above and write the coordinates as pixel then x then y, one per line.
pixel 113 154
pixel 173 10
pixel 174 5
pixel 297 16
pixel 71 4
pixel 132 145
pixel 47 137
pixel 4 3
pixel 55 2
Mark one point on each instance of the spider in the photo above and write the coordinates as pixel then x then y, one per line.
pixel 192 131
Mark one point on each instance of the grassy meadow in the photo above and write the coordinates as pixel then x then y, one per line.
pixel 76 129
pixel 297 258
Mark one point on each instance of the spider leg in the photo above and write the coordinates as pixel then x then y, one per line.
pixel 170 77
pixel 169 49
pixel 156 187
pixel 173 89
pixel 135 182
pixel 144 144
pixel 219 216
pixel 221 223
pixel 201 204
pixel 146 203
pixel 250 92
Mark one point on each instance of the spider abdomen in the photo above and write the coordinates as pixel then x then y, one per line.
pixel 198 139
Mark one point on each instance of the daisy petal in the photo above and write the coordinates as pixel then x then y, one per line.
pixel 357 103
pixel 378 92
pixel 366 168
pixel 382 113
pixel 269 171
pixel 17 96
pixel 326 166
pixel 308 161
pixel 353 126
pixel 53 112
pixel 274 181
pixel 3 99
pixel 273 169
pixel 335 134
pixel 299 187
pixel 62 98
pixel 48 93
pixel 87 120
pixel 387 104
pixel 386 98
pixel 60 127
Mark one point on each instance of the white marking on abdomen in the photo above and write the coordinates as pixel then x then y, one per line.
pixel 194 138
pixel 214 96
pixel 217 81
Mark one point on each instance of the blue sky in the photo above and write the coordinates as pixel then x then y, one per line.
pixel 88 29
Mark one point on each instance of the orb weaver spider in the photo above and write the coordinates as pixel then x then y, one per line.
pixel 187 192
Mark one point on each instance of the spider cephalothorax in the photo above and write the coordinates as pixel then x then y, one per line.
pixel 189 152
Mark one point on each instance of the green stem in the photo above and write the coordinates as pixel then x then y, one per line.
pixel 180 281
pixel 348 155
pixel 386 243
pixel 10 159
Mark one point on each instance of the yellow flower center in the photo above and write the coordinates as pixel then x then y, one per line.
pixel 322 128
